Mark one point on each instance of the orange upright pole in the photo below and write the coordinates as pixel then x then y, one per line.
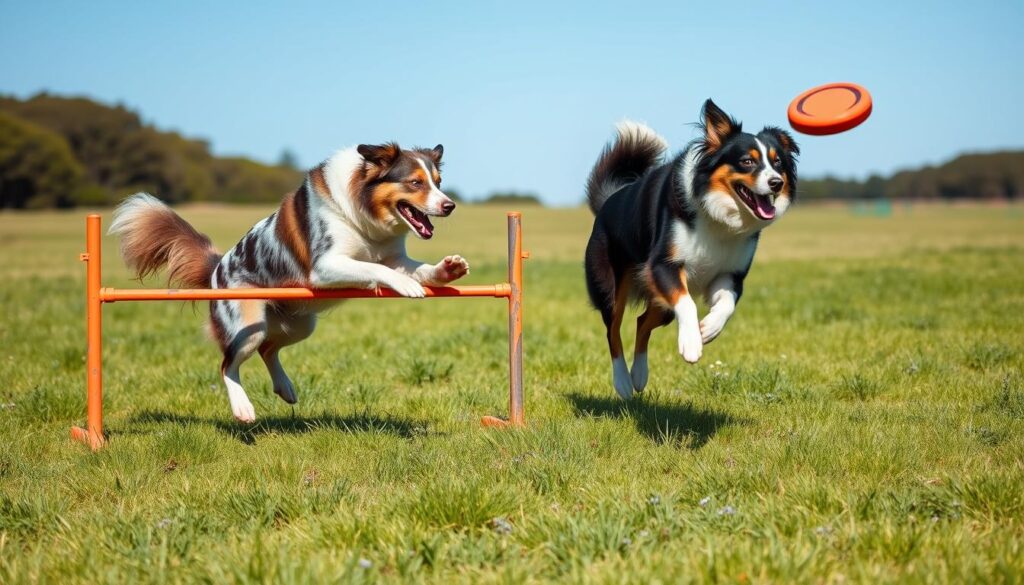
pixel 516 416
pixel 92 435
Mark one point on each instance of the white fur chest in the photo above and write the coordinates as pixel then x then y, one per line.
pixel 706 253
pixel 349 242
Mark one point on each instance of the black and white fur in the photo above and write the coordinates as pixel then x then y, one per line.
pixel 344 227
pixel 665 232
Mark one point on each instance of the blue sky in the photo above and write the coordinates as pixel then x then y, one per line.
pixel 524 94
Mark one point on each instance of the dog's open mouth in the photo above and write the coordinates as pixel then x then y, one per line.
pixel 763 206
pixel 417 220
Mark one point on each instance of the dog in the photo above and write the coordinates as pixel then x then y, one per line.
pixel 344 227
pixel 665 232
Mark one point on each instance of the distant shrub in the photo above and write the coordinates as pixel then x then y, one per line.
pixel 512 198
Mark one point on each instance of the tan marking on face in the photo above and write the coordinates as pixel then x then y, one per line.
pixel 386 196
pixel 724 178
pixel 755 154
pixel 419 175
pixel 771 154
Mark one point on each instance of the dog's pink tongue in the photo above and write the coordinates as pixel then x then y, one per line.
pixel 426 229
pixel 763 207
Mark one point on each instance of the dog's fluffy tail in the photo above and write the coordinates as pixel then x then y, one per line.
pixel 154 237
pixel 636 149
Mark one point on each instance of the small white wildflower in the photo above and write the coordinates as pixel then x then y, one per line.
pixel 823 530
pixel 718 362
pixel 365 563
pixel 627 541
pixel 164 523
pixel 727 511
pixel 644 533
pixel 654 500
pixel 704 501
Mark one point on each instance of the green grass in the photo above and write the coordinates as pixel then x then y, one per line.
pixel 866 422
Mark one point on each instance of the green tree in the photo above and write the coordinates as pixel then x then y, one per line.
pixel 37 167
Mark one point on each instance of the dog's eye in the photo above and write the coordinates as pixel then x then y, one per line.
pixel 438 182
pixel 777 163
pixel 416 183
pixel 747 163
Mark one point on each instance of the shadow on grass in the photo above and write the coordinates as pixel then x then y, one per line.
pixel 680 424
pixel 353 423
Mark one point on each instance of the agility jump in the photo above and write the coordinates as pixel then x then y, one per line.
pixel 97 295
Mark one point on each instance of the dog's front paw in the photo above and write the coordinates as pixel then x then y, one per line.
pixel 406 286
pixel 451 268
pixel 711 327
pixel 690 345
pixel 241 407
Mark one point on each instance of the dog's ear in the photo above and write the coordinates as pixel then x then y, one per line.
pixel 718 126
pixel 785 139
pixel 380 156
pixel 436 153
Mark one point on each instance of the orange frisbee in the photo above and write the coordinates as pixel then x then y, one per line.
pixel 830 109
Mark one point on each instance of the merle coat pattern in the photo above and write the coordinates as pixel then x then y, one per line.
pixel 344 227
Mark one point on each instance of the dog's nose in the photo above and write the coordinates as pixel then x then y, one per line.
pixel 775 184
pixel 447 208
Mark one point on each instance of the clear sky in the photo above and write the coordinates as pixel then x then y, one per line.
pixel 524 94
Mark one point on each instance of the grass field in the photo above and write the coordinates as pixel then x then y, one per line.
pixel 863 421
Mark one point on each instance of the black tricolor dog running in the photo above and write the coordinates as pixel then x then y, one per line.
pixel 666 231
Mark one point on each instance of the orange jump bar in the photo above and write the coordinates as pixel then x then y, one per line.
pixel 96 295
pixel 113 295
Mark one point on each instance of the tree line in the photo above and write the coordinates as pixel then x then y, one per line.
pixel 63 152
pixel 988 176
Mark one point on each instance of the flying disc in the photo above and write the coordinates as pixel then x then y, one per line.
pixel 830 109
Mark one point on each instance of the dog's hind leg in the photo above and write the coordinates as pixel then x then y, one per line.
pixel 613 324
pixel 646 323
pixel 247 333
pixel 609 292
pixel 282 333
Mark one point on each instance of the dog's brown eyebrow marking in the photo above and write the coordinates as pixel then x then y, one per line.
pixel 756 154
pixel 418 175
